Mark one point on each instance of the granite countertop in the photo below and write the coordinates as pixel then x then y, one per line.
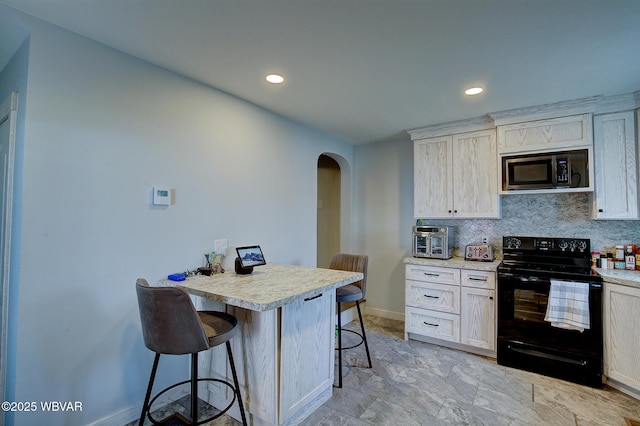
pixel 454 262
pixel 269 287
pixel 620 276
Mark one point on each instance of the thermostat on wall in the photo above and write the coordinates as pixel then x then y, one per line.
pixel 161 196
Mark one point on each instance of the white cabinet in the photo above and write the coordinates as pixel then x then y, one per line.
pixel 432 183
pixel 456 307
pixel 553 134
pixel 622 346
pixel 456 176
pixel 616 175
pixel 306 366
pixel 284 360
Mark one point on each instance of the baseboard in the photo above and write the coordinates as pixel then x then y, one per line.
pixel 398 316
pixel 130 414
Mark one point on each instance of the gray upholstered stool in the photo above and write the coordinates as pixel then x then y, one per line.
pixel 171 325
pixel 350 293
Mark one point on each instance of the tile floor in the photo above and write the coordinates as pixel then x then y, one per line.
pixel 415 383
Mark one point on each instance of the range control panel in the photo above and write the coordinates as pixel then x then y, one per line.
pixel 566 245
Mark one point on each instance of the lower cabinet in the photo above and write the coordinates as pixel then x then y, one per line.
pixel 622 347
pixel 284 359
pixel 452 307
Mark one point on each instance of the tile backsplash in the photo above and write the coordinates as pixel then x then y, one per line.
pixel 563 215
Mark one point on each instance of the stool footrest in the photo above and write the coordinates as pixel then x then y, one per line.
pixel 354 346
pixel 181 417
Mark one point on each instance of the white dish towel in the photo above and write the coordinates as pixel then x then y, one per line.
pixel 568 305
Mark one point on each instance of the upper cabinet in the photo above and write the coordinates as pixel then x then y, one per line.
pixel 616 175
pixel 554 134
pixel 458 166
pixel 456 176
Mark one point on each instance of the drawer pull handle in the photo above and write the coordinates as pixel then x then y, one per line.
pixel 478 279
pixel 432 325
pixel 431 297
pixel 314 297
pixel 431 275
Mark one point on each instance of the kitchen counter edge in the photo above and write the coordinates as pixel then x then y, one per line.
pixel 454 262
pixel 624 277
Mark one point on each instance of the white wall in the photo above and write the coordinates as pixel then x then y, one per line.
pixel 383 200
pixel 102 128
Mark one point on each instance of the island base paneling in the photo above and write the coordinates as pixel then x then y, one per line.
pixel 284 359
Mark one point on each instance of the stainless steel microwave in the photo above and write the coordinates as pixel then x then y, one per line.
pixel 433 241
pixel 566 169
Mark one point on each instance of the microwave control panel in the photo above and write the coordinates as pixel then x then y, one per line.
pixel 563 170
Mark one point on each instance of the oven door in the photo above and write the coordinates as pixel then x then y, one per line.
pixel 527 341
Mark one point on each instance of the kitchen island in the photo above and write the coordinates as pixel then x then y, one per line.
pixel 284 349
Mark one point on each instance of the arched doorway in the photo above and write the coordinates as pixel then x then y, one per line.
pixel 329 210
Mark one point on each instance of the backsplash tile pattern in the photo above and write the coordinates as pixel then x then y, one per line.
pixel 547 215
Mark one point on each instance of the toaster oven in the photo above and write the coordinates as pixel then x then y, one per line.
pixel 433 241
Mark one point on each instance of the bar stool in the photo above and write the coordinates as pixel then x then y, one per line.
pixel 350 293
pixel 171 325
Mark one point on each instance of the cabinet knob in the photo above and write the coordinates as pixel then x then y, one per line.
pixel 490 297
pixel 449 211
pixel 455 211
pixel 600 210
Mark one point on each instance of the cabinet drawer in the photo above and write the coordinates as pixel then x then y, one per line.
pixel 433 274
pixel 439 297
pixel 439 325
pixel 478 279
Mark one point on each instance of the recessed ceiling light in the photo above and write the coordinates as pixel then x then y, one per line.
pixel 275 78
pixel 473 90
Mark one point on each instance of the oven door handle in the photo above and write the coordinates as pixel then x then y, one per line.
pixel 539 354
pixel 522 278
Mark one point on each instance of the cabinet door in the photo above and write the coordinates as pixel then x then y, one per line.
pixel 433 190
pixel 616 195
pixel 552 134
pixel 306 365
pixel 477 318
pixel 622 347
pixel 475 175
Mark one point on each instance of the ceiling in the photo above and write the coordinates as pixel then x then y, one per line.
pixel 366 70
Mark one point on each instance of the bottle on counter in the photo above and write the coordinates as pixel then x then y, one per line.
pixel 618 261
pixel 603 261
pixel 630 257
pixel 609 260
pixel 638 259
pixel 595 259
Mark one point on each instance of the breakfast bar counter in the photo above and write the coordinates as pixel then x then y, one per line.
pixel 284 349
pixel 269 287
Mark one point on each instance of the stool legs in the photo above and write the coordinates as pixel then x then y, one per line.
pixel 149 387
pixel 364 339
pixel 194 388
pixel 339 344
pixel 236 384
pixel 364 336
